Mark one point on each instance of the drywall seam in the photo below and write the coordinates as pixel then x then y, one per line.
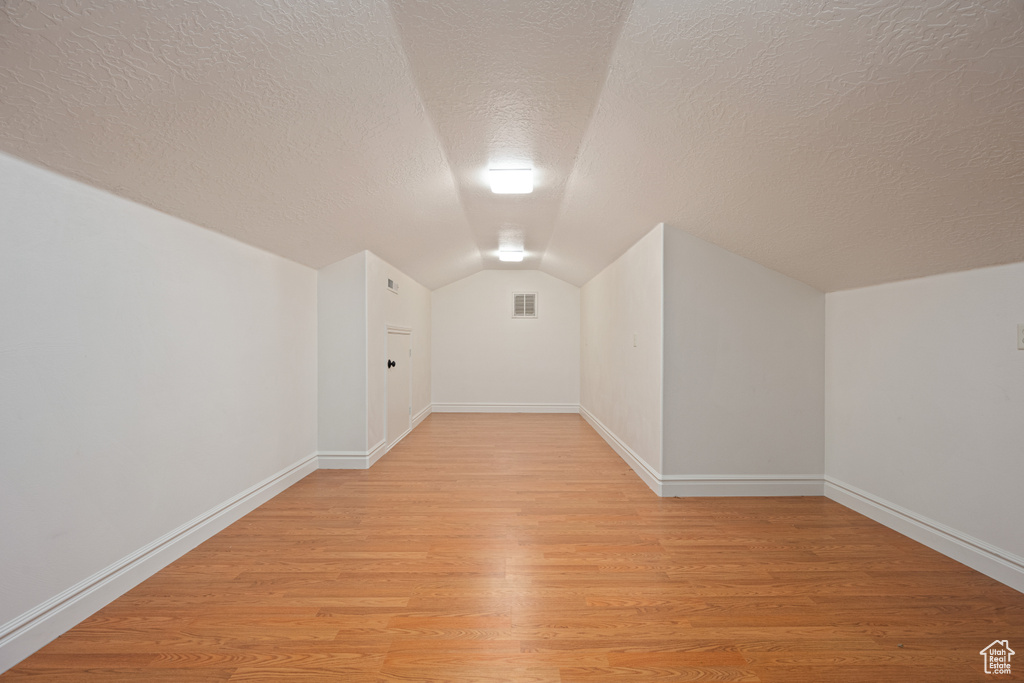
pixel 505 408
pixel 30 631
pixel 999 564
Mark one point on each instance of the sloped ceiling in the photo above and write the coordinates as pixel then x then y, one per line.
pixel 841 145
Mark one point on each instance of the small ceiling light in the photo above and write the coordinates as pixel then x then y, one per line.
pixel 510 255
pixel 511 180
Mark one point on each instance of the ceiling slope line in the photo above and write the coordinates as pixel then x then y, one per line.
pixel 508 84
pixel 475 259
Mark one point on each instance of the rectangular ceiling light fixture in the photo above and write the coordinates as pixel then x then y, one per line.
pixel 510 255
pixel 511 180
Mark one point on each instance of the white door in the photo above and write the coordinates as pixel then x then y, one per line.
pixel 399 386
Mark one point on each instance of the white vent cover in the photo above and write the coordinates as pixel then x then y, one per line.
pixel 392 286
pixel 524 305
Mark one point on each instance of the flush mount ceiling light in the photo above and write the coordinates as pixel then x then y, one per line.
pixel 510 255
pixel 511 180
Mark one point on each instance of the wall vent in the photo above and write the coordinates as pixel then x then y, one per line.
pixel 524 305
pixel 392 286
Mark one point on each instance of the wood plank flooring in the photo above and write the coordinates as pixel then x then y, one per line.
pixel 521 548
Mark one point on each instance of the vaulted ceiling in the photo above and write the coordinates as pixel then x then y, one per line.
pixel 843 145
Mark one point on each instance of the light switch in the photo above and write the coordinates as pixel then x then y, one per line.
pixel 634 339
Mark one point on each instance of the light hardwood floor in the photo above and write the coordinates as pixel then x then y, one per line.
pixel 521 548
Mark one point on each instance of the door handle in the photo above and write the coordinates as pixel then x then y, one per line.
pixel 391 364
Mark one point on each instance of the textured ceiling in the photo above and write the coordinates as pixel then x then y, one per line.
pixel 843 146
pixel 293 125
pixel 510 84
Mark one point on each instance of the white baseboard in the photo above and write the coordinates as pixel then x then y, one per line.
pixel 692 485
pixel 416 420
pixel 648 474
pixel 421 416
pixel 30 631
pixel 363 460
pixel 350 460
pixel 1001 565
pixel 375 454
pixel 505 408
pixel 398 440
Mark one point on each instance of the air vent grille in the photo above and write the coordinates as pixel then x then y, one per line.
pixel 524 305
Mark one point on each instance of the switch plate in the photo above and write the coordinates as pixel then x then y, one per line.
pixel 1020 337
pixel 634 339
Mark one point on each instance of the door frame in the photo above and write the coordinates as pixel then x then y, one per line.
pixel 407 331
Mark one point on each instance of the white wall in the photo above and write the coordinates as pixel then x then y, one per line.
pixel 744 366
pixel 410 308
pixel 355 308
pixel 150 370
pixel 621 382
pixel 485 359
pixel 341 349
pixel 925 405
